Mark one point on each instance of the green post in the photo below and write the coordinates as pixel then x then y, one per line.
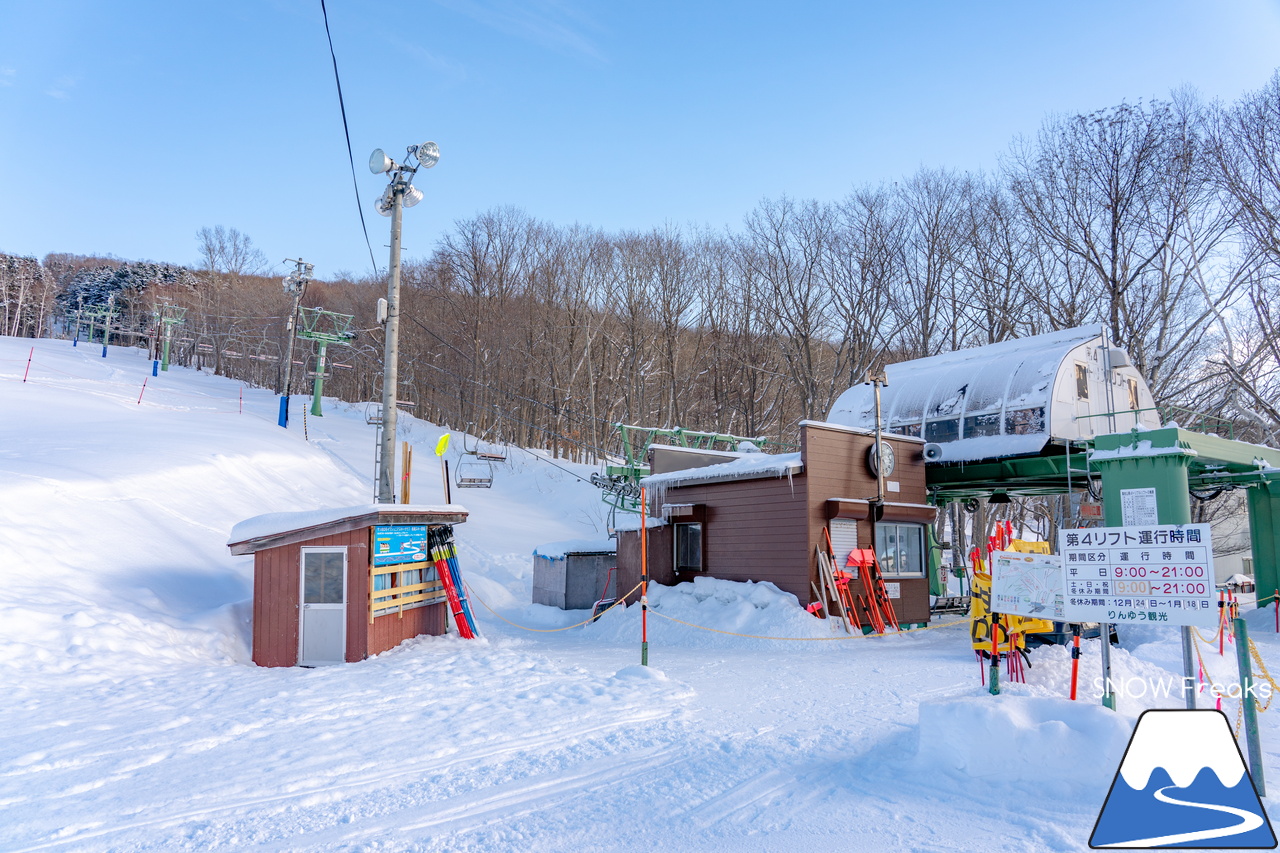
pixel 1126 463
pixel 933 559
pixel 168 334
pixel 993 669
pixel 319 384
pixel 1264 534
pixel 1250 703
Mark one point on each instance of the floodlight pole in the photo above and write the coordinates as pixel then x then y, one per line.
pixel 301 275
pixel 391 354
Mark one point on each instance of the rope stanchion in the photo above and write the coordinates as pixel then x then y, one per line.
pixel 806 639
pixel 1262 667
pixel 622 600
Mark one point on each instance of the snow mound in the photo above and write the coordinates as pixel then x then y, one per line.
pixel 638 672
pixel 735 613
pixel 1063 743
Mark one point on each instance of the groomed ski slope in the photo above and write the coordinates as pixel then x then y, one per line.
pixel 132 719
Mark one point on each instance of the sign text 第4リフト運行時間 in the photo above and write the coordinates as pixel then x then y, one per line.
pixel 1149 573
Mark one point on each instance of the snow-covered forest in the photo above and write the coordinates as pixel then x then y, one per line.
pixel 1158 219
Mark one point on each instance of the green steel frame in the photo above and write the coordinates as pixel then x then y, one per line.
pixel 635 443
pixel 323 327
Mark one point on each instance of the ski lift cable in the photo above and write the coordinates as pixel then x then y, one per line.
pixel 545 431
pixel 347 132
pixel 578 418
pixel 510 416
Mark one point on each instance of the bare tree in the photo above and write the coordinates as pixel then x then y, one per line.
pixel 227 250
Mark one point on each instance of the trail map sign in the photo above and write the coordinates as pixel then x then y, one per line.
pixel 394 544
pixel 1027 585
pixel 1149 573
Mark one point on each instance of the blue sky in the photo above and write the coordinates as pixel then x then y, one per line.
pixel 127 126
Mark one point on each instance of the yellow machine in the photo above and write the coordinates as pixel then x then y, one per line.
pixel 980 606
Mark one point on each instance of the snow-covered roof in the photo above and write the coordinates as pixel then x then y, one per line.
pixel 746 467
pixel 261 527
pixel 557 550
pixel 998 395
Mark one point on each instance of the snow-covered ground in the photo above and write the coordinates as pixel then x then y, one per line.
pixel 131 717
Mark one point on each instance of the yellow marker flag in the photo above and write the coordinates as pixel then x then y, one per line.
pixel 442 445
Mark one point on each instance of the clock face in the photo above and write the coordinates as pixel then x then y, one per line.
pixel 884 456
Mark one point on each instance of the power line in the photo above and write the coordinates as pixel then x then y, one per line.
pixel 347 132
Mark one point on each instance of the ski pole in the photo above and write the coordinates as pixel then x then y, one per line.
pixel 30 355
pixel 1075 658
pixel 644 580
pixel 1222 622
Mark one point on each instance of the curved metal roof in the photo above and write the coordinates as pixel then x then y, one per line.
pixel 995 391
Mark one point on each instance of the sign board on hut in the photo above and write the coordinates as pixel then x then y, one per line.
pixel 1149 573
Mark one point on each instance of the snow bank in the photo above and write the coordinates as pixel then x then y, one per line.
pixel 1056 742
pixel 735 607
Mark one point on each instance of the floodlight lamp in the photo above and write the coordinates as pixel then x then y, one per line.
pixel 383 204
pixel 379 162
pixel 412 196
pixel 428 154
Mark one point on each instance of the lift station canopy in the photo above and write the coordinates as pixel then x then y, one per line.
pixel 1008 399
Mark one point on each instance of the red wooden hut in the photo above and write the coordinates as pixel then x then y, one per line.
pixel 339 585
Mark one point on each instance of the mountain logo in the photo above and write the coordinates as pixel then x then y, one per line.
pixel 1182 783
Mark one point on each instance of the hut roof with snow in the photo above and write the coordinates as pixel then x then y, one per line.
pixel 1008 399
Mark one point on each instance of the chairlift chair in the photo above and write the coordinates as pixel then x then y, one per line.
pixel 474 475
pixel 490 455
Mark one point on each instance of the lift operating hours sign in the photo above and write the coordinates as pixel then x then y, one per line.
pixel 1150 573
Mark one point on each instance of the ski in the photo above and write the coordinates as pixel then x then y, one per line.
pixel 450 587
pixel 451 557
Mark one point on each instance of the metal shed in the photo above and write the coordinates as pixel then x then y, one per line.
pixel 338 585
pixel 1008 398
pixel 574 575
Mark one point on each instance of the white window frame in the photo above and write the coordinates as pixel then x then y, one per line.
pixel 702 546
pixel 924 540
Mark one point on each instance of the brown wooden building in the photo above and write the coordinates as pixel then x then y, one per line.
pixel 339 585
pixel 761 517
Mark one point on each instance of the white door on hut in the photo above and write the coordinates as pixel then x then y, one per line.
pixel 322 632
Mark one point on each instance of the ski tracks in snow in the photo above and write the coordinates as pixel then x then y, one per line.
pixel 316 760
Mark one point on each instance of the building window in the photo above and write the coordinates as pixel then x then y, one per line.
pixel 400 595
pixel 1133 395
pixel 900 550
pixel 943 430
pixel 688 548
pixel 1082 381
pixel 1024 422
pixel 979 425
